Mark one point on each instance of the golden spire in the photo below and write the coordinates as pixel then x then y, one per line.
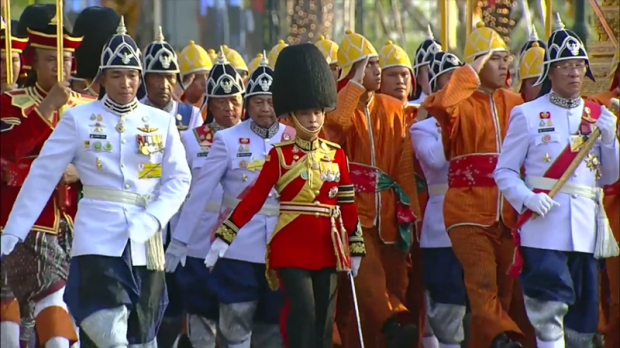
pixel 533 34
pixel 221 57
pixel 160 35
pixel 264 61
pixel 559 25
pixel 429 33
pixel 121 30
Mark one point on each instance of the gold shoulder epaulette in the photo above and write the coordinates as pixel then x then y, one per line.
pixel 284 143
pixel 16 92
pixel 21 98
pixel 334 145
pixel 80 98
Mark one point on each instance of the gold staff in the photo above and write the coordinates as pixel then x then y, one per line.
pixel 6 16
pixel 548 6
pixel 469 17
pixel 444 7
pixel 59 42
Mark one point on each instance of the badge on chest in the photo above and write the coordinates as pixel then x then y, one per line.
pixel 244 148
pixel 149 171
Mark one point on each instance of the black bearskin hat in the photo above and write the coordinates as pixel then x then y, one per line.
pixel 302 80
pixel 97 25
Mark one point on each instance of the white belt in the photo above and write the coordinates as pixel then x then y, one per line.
pixel 213 207
pixel 569 188
pixel 116 196
pixel 267 209
pixel 437 190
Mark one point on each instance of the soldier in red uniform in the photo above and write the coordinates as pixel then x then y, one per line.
pixel 317 234
pixel 9 310
pixel 37 268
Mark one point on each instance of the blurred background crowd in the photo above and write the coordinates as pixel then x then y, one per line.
pixel 251 26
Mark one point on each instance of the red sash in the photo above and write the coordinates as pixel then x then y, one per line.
pixel 591 113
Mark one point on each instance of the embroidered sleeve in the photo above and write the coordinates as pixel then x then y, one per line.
pixel 227 231
pixel 346 194
pixel 356 241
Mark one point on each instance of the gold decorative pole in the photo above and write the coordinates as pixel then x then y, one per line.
pixel 469 17
pixel 6 21
pixel 444 6
pixel 548 6
pixel 60 61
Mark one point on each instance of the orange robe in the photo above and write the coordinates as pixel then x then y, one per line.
pixel 374 135
pixel 476 215
pixel 611 202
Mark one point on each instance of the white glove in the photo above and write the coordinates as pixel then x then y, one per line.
pixel 7 243
pixel 607 125
pixel 356 261
pixel 175 253
pixel 142 226
pixel 540 203
pixel 218 249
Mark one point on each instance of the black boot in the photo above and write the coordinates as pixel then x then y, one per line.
pixel 502 341
pixel 399 336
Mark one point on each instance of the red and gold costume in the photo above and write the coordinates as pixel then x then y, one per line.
pixel 37 267
pixel 9 310
pixel 23 134
pixel 314 214
pixel 477 217
pixel 611 202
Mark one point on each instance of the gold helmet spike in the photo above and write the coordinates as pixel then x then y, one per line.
pixel 263 60
pixel 429 33
pixel 559 25
pixel 221 57
pixel 160 35
pixel 122 29
pixel 533 34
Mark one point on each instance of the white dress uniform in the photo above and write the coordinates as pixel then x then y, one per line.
pixel 135 177
pixel 176 110
pixel 160 60
pixel 235 160
pixel 198 240
pixel 442 271
pixel 560 273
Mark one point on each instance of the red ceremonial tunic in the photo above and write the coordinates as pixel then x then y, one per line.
pixel 24 131
pixel 312 180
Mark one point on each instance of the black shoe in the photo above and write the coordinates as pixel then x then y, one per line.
pixel 399 336
pixel 502 341
pixel 184 342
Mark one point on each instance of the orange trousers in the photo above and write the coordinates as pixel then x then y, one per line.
pixel 416 296
pixel 381 287
pixel 486 253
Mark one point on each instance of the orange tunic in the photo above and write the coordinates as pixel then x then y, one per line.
pixel 473 122
pixel 611 201
pixel 375 135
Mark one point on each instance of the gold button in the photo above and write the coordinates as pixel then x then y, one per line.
pixel 317 202
pixel 126 186
pixel 317 192
pixel 122 165
pixel 123 141
pixel 316 214
pixel 270 195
